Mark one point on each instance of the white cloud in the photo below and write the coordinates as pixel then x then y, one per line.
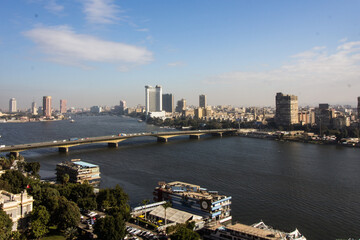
pixel 101 11
pixel 142 30
pixel 175 64
pixel 315 72
pixel 64 46
pixel 343 40
pixel 53 6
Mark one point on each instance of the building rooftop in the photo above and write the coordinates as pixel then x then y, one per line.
pixel 190 190
pixel 85 164
pixel 263 233
pixel 75 164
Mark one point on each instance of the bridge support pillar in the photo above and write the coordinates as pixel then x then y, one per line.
pixel 63 149
pixel 113 145
pixel 162 139
pixel 194 136
pixel 15 154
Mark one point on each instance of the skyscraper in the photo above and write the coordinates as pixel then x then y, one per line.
pixel 47 106
pixel 34 110
pixel 153 99
pixel 358 108
pixel 181 105
pixel 63 106
pixel 12 105
pixel 168 102
pixel 286 109
pixel 202 101
pixel 122 104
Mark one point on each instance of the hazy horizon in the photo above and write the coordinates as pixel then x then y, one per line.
pixel 240 53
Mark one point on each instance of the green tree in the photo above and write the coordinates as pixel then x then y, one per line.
pixel 17 182
pixel 184 233
pixel 5 225
pixel 82 194
pixel 145 201
pixel 67 214
pixel 166 206
pixel 114 200
pixel 65 178
pixel 32 168
pixel 39 219
pixel 71 233
pixel 110 227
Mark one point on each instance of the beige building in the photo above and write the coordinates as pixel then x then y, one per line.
pixel 200 113
pixel 16 206
pixel 286 109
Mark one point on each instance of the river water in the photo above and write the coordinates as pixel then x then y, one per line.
pixel 288 185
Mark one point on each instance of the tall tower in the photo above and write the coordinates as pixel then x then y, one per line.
pixel 202 101
pixel 122 104
pixel 12 105
pixel 168 102
pixel 153 99
pixel 63 106
pixel 47 106
pixel 181 105
pixel 358 108
pixel 286 109
pixel 34 110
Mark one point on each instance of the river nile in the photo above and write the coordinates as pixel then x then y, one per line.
pixel 314 188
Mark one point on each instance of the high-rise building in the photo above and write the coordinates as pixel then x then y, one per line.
pixel 358 108
pixel 12 105
pixel 286 109
pixel 122 104
pixel 63 106
pixel 324 115
pixel 47 106
pixel 34 110
pixel 168 102
pixel 181 105
pixel 202 101
pixel 153 99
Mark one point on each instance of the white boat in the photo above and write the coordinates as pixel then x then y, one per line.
pixel 72 120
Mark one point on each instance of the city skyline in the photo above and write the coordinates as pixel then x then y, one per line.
pixel 236 53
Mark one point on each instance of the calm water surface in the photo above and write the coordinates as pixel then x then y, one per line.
pixel 287 185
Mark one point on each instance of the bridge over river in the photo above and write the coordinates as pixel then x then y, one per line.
pixel 112 140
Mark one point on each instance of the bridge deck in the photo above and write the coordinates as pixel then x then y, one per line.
pixel 106 139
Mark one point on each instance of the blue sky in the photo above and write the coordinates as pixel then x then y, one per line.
pixel 97 52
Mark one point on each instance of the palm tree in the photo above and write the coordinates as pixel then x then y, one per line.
pixel 165 206
pixel 145 202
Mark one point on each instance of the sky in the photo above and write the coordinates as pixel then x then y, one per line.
pixel 237 52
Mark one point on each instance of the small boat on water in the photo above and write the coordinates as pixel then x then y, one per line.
pixel 72 120
pixel 140 120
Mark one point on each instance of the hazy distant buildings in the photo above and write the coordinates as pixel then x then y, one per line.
pixel 202 101
pixel 47 106
pixel 122 104
pixel 12 105
pixel 96 109
pixel 181 105
pixel 34 110
pixel 168 102
pixel 286 109
pixel 153 99
pixel 63 106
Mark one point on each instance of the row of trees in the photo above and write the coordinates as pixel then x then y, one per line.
pixel 58 205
